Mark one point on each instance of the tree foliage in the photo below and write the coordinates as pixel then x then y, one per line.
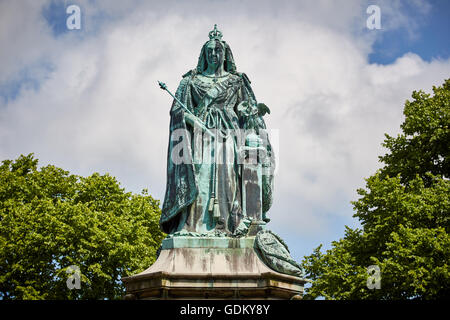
pixel 404 214
pixel 51 220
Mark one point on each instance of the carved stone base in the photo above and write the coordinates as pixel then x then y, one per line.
pixel 211 268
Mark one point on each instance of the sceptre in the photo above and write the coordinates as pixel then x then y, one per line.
pixel 163 86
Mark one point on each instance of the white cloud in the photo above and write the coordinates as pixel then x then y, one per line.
pixel 100 109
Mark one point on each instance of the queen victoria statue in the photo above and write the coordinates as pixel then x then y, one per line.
pixel 220 174
pixel 211 123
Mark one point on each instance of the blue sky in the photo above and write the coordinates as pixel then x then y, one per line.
pixel 87 100
pixel 55 15
pixel 429 39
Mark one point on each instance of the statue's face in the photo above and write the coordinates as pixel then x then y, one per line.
pixel 214 53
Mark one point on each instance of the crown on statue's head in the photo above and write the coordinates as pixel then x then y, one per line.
pixel 215 34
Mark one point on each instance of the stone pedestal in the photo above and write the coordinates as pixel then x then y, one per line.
pixel 211 268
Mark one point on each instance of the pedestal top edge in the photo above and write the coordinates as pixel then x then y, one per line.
pixel 208 242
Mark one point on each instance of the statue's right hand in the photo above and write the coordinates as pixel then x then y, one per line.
pixel 191 119
pixel 195 122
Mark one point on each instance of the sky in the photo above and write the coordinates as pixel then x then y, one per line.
pixel 87 99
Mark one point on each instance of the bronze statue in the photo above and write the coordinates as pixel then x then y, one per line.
pixel 215 121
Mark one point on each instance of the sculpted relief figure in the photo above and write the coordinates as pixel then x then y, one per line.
pixel 214 121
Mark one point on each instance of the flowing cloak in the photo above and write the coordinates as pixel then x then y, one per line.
pixel 181 186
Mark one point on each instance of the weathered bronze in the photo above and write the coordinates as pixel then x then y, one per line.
pixel 221 120
pixel 220 169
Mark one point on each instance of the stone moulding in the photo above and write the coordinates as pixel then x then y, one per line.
pixel 211 268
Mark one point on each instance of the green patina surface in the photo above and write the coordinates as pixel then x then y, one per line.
pixel 219 193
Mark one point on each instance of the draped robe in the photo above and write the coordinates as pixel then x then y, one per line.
pixel 190 183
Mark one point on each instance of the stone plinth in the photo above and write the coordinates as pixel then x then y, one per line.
pixel 211 268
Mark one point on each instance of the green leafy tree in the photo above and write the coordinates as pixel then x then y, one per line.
pixel 51 220
pixel 404 213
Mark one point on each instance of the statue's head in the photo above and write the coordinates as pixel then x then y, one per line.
pixel 216 52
